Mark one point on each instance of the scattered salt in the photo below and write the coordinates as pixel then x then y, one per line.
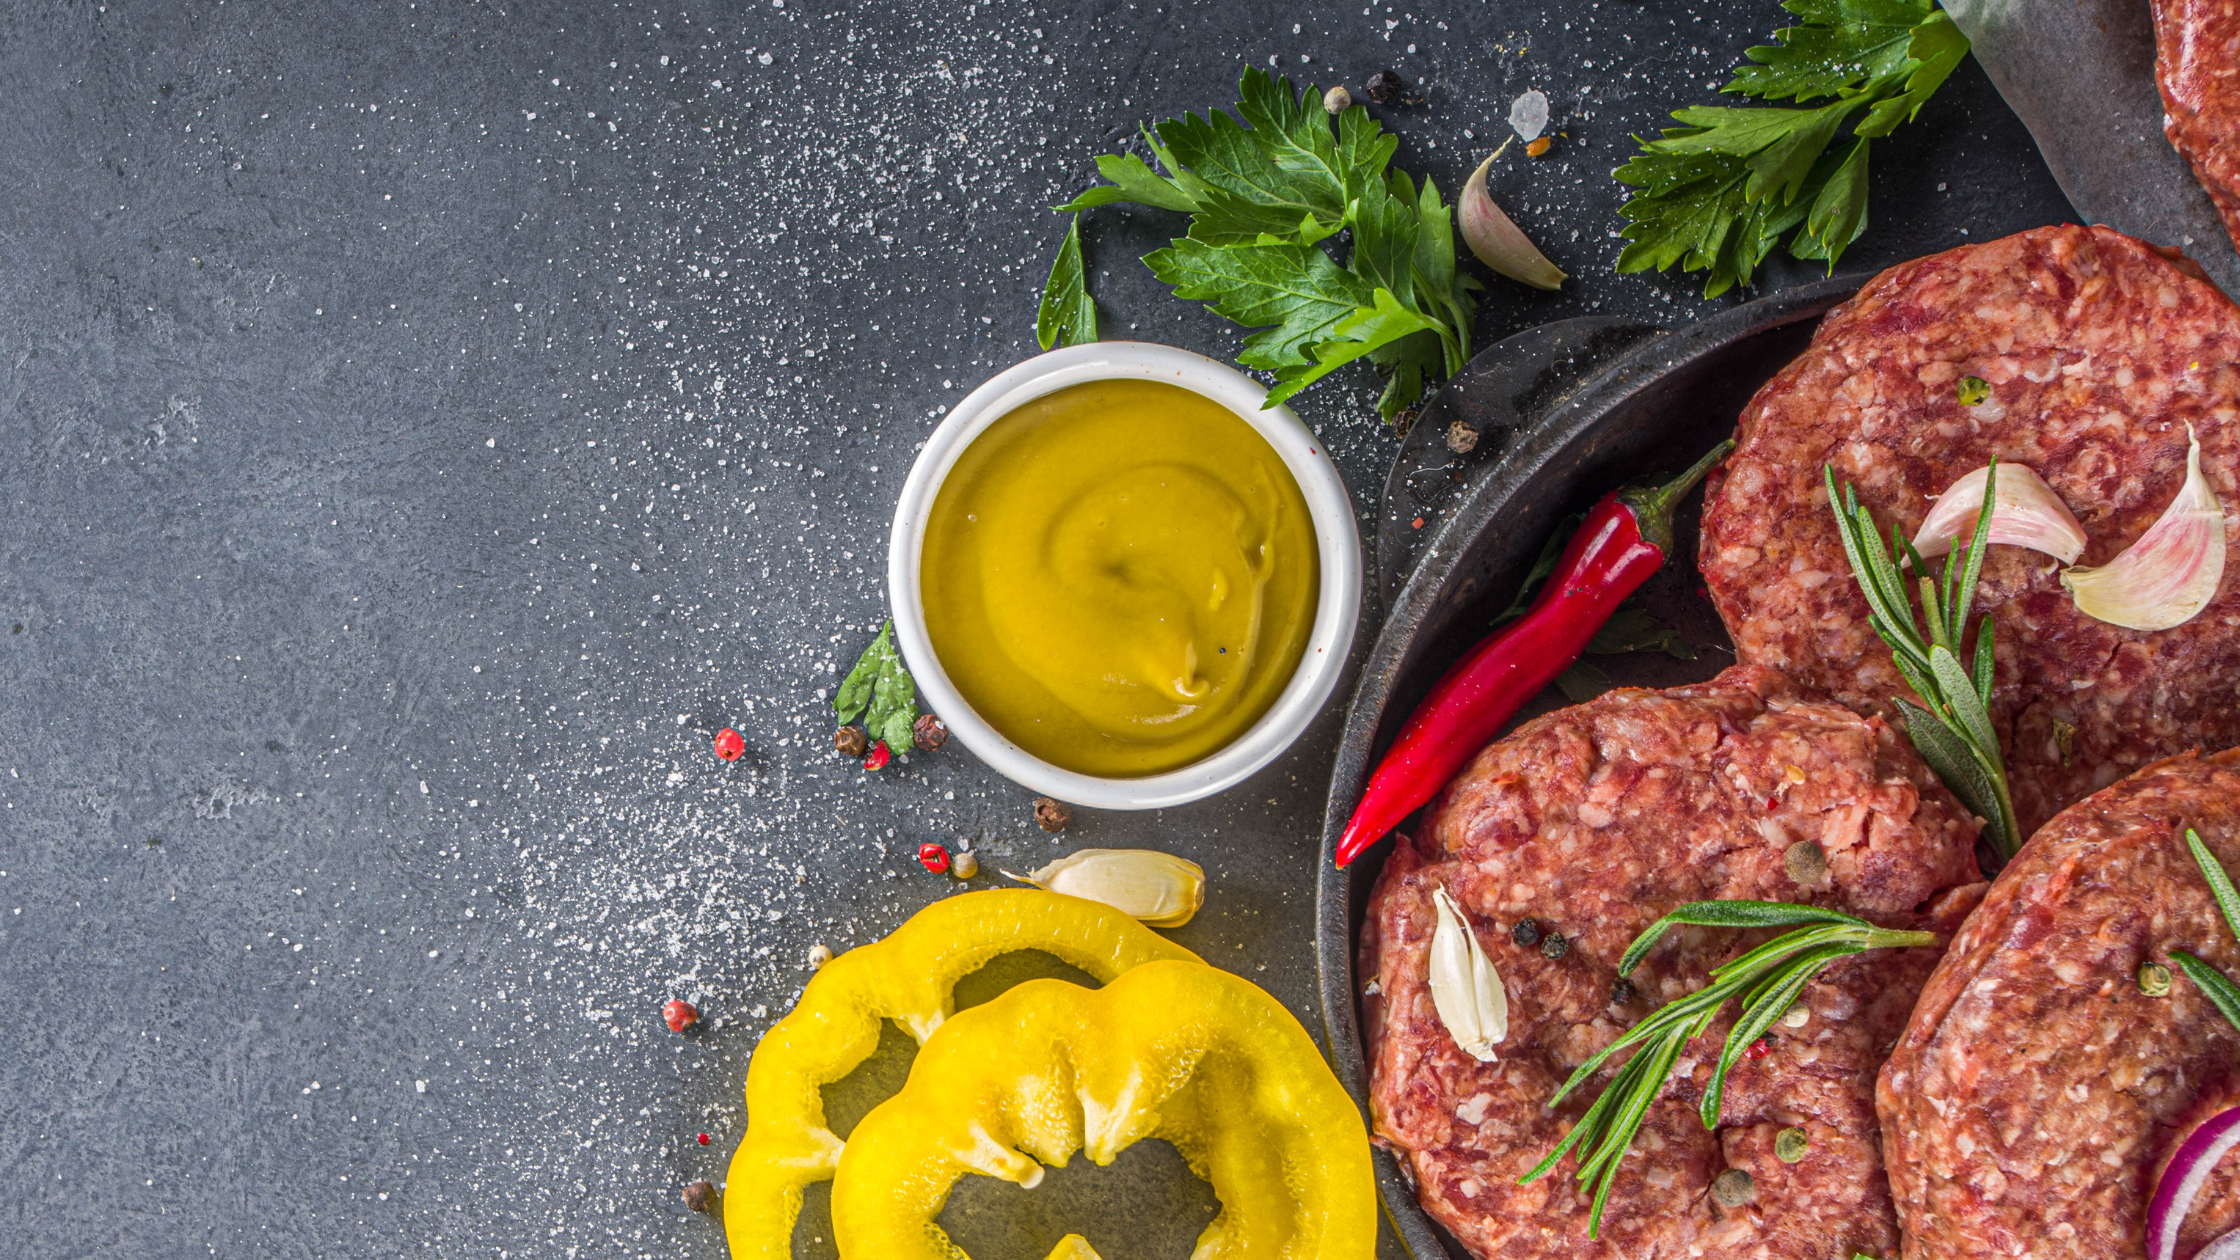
pixel 1529 115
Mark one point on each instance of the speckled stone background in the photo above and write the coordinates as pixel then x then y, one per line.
pixel 423 424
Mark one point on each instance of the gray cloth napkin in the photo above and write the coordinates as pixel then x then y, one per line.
pixel 2080 75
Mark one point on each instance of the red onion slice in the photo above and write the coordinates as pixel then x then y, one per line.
pixel 2174 1194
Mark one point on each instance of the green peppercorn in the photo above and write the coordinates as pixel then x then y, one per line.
pixel 1733 1188
pixel 1806 861
pixel 1789 1145
pixel 1973 391
pixel 2154 979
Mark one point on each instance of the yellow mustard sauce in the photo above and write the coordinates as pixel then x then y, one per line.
pixel 1120 577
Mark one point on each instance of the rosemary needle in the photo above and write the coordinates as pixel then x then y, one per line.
pixel 1767 979
pixel 1951 727
pixel 2222 993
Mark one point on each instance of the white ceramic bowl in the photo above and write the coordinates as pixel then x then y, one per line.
pixel 1337 607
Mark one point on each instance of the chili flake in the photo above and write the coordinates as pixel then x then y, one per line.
pixel 933 857
pixel 880 756
pixel 679 1015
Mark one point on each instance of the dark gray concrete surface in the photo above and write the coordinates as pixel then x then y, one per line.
pixel 423 424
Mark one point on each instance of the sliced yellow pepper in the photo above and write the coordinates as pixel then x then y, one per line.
pixel 1173 1050
pixel 909 977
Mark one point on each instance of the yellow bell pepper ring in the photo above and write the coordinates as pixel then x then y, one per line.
pixel 1173 1050
pixel 909 977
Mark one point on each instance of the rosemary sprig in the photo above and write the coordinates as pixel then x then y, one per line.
pixel 1766 979
pixel 1952 727
pixel 2222 993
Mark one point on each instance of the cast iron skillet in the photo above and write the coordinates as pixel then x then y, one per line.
pixel 1563 413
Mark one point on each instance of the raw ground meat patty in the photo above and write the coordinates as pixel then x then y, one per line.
pixel 2037 1090
pixel 2197 66
pixel 1596 820
pixel 2099 353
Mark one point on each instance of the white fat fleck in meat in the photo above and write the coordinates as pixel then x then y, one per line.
pixel 1473 1111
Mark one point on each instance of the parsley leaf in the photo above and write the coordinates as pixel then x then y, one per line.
pixel 1068 315
pixel 1265 189
pixel 1719 192
pixel 1293 292
pixel 881 689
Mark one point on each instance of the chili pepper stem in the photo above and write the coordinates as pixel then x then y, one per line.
pixel 1652 508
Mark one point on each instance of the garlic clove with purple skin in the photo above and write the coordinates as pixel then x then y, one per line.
pixel 1496 239
pixel 2167 577
pixel 1465 989
pixel 2028 514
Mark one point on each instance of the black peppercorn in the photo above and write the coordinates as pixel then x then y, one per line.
pixel 1526 933
pixel 1554 946
pixel 849 741
pixel 700 1197
pixel 1385 87
pixel 929 732
pixel 1621 992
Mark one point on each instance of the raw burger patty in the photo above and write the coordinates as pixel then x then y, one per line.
pixel 2099 353
pixel 1595 821
pixel 2037 1090
pixel 2197 66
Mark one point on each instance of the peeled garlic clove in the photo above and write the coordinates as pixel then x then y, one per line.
pixel 2027 513
pixel 1497 241
pixel 1158 888
pixel 1465 989
pixel 2167 577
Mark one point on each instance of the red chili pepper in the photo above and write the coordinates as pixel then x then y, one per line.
pixel 730 744
pixel 1760 1048
pixel 704 1139
pixel 679 1015
pixel 933 857
pixel 1621 543
pixel 880 755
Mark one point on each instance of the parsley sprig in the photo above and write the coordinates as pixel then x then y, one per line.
pixel 881 689
pixel 2222 993
pixel 1766 980
pixel 1718 192
pixel 1265 190
pixel 1951 727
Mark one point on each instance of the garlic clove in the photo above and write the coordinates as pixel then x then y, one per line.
pixel 2027 514
pixel 1158 888
pixel 1074 1246
pixel 1496 239
pixel 2167 577
pixel 1465 989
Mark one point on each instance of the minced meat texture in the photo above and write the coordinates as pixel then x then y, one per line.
pixel 2197 66
pixel 2037 1089
pixel 1596 820
pixel 2099 353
